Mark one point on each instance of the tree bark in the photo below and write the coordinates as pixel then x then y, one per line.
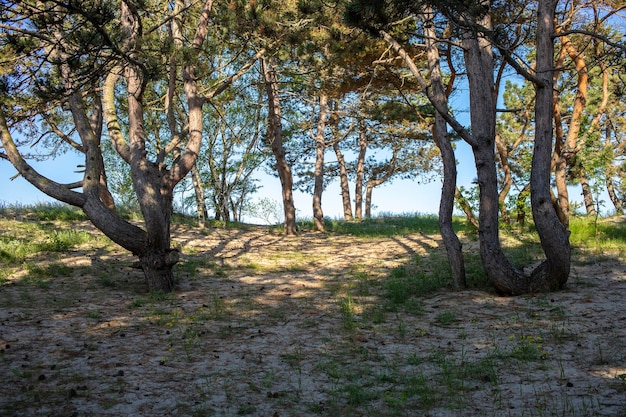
pixel 568 146
pixel 343 182
pixel 553 273
pixel 503 154
pixel 590 206
pixel 379 176
pixel 465 206
pixel 479 65
pixel 198 188
pixel 275 137
pixel 360 171
pixel 454 249
pixel 320 148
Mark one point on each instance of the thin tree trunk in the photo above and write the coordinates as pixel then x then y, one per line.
pixel 521 204
pixel 610 189
pixel 198 187
pixel 343 182
pixel 379 176
pixel 465 206
pixel 275 137
pixel 368 197
pixel 590 206
pixel 360 171
pixel 554 271
pixel 320 148
pixel 454 249
pixel 503 154
pixel 569 145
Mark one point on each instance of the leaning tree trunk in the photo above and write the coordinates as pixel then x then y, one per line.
pixel 275 137
pixel 454 249
pixel 590 206
pixel 554 271
pixel 615 199
pixel 479 64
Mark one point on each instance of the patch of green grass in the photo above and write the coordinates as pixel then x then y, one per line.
pixel 408 282
pixel 446 318
pixel 43 211
pixel 347 308
pixel 388 225
pixel 605 234
pixel 528 348
pixel 42 276
pixel 63 240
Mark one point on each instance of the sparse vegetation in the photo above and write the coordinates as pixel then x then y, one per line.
pixel 328 325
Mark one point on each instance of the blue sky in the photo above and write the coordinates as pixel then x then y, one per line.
pixel 401 196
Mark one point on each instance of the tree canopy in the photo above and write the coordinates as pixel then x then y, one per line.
pixel 354 93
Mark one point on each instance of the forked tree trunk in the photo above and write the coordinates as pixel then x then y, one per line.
pixel 553 273
pixel 275 137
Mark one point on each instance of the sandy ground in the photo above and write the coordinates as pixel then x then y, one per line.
pixel 266 325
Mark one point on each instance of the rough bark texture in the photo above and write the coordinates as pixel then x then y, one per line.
pixel 479 65
pixel 451 241
pixel 275 136
pixel 590 206
pixel 554 271
pixel 610 189
pixel 503 155
pixel 343 182
pixel 320 148
pixel 153 181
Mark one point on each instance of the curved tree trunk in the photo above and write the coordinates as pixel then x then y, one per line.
pixel 479 64
pixel 275 137
pixel 554 271
pixel 465 206
pixel 454 249
pixel 615 199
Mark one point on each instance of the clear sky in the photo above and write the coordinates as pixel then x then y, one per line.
pixel 401 196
